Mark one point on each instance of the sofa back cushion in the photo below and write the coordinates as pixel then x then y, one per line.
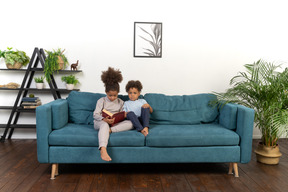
pixel 179 110
pixel 82 105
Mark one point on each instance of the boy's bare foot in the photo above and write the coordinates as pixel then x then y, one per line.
pixel 104 154
pixel 145 131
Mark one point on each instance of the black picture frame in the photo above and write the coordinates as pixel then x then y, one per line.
pixel 148 39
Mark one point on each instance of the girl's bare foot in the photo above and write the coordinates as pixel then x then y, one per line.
pixel 145 131
pixel 104 154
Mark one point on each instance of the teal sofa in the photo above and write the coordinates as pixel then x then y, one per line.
pixel 184 129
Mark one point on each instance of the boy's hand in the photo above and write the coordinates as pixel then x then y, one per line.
pixel 146 105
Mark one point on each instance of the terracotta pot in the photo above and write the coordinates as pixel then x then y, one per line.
pixel 69 86
pixel 268 155
pixel 16 65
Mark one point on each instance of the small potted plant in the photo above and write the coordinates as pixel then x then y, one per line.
pixel 14 59
pixel 39 82
pixel 70 81
pixel 55 60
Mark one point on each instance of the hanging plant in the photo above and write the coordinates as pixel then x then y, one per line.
pixel 55 60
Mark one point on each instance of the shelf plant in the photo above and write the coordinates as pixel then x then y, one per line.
pixel 14 59
pixel 70 81
pixel 55 60
pixel 39 79
pixel 39 82
pixel 265 90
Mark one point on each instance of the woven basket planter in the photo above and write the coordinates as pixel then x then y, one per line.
pixel 16 65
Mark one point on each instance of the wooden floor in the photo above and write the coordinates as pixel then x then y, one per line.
pixel 20 171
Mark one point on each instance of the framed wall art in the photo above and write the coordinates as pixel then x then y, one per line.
pixel 148 39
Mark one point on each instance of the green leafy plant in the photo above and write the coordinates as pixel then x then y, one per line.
pixel 53 62
pixel 70 79
pixel 12 57
pixel 39 79
pixel 155 41
pixel 265 90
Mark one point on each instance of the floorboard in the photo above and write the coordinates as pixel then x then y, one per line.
pixel 21 172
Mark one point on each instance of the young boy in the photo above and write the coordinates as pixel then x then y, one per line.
pixel 138 110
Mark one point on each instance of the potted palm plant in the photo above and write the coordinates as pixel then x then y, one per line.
pixel 265 90
pixel 14 59
pixel 39 82
pixel 70 81
pixel 55 60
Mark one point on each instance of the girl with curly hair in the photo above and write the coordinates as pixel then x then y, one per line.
pixel 111 79
pixel 138 110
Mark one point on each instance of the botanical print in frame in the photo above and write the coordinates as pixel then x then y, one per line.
pixel 148 39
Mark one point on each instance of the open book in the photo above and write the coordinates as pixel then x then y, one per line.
pixel 120 116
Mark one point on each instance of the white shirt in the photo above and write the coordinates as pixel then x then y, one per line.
pixel 134 106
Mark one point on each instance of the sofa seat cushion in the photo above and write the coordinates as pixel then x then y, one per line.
pixel 86 135
pixel 191 135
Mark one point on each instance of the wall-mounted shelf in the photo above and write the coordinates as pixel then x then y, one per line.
pixel 38 56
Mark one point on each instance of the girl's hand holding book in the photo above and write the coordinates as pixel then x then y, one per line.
pixel 109 121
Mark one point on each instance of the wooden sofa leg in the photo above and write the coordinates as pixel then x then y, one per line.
pixel 233 166
pixel 57 172
pixel 230 169
pixel 54 170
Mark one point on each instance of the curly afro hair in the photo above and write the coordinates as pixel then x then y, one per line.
pixel 134 84
pixel 111 79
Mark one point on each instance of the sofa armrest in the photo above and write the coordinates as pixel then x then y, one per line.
pixel 228 116
pixel 47 119
pixel 245 124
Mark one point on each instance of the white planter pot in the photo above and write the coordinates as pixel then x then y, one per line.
pixel 69 86
pixel 39 85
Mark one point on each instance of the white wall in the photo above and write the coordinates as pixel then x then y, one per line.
pixel 205 43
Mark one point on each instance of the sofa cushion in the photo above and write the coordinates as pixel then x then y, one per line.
pixel 82 105
pixel 191 135
pixel 86 135
pixel 181 110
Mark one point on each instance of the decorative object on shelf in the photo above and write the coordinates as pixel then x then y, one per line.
pixel 70 81
pixel 74 66
pixel 147 39
pixel 30 102
pixel 11 85
pixel 39 82
pixel 264 89
pixel 14 59
pixel 55 60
